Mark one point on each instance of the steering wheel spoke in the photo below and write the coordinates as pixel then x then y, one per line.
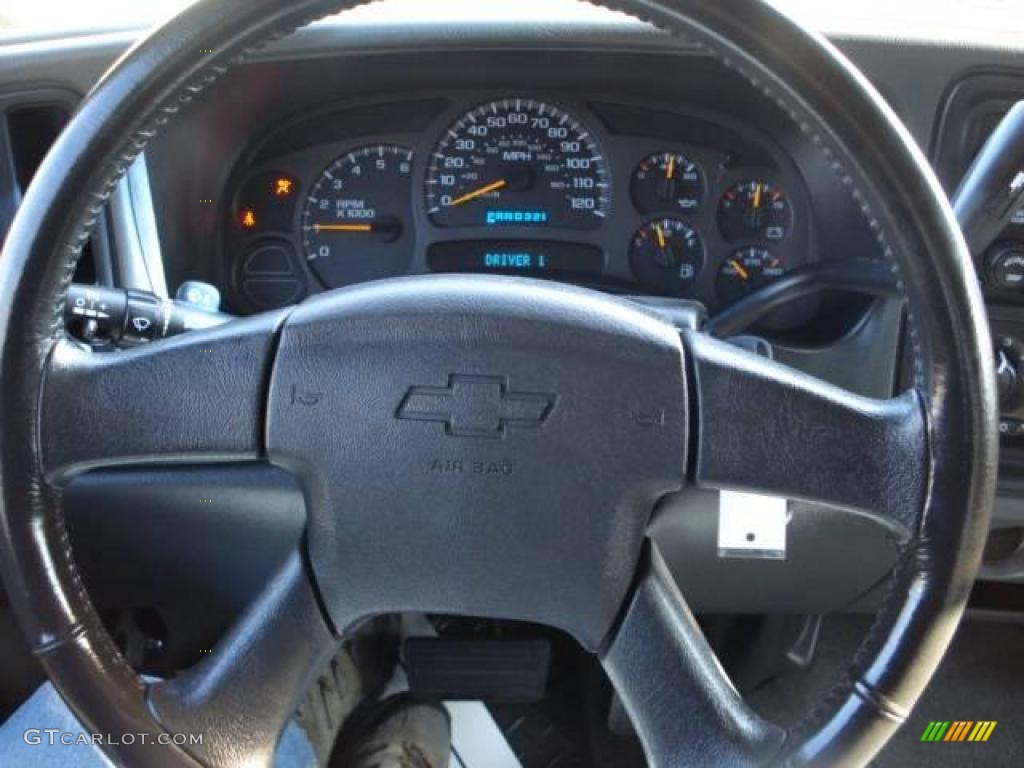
pixel 683 704
pixel 191 399
pixel 240 697
pixel 767 428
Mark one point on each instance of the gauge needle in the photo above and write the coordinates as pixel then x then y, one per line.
pixel 670 171
pixel 478 192
pixel 661 236
pixel 387 229
pixel 758 192
pixel 343 227
pixel 739 270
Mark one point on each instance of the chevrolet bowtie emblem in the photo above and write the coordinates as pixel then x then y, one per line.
pixel 476 406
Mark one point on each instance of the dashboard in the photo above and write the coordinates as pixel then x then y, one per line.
pixel 624 196
pixel 546 186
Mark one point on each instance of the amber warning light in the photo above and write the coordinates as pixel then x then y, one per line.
pixel 283 186
pixel 248 218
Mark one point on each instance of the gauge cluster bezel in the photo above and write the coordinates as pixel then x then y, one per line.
pixel 721 168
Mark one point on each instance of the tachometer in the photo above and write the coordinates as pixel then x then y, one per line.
pixel 517 163
pixel 356 220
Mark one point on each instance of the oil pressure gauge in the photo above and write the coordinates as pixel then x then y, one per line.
pixel 667 181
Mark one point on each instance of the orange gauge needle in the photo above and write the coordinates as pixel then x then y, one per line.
pixel 758 191
pixel 670 171
pixel 478 193
pixel 343 227
pixel 661 236
pixel 739 270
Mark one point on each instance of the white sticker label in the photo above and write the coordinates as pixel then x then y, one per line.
pixel 752 526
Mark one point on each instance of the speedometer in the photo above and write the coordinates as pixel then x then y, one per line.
pixel 517 163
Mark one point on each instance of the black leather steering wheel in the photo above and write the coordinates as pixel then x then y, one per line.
pixel 587 408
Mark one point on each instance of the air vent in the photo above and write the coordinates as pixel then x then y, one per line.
pixel 31 123
pixel 972 108
pixel 31 130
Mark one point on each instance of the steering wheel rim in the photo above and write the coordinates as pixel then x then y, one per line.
pixel 944 433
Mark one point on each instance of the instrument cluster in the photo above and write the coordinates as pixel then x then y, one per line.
pixel 623 198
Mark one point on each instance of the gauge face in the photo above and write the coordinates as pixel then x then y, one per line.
pixel 667 181
pixel 754 210
pixel 745 271
pixel 356 219
pixel 517 163
pixel 667 255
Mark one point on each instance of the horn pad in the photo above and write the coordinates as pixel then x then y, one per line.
pixel 478 446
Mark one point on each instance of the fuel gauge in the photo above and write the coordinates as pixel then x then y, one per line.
pixel 667 255
pixel 754 210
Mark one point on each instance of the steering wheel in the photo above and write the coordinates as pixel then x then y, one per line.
pixel 493 446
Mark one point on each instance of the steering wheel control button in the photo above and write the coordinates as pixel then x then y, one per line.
pixel 479 425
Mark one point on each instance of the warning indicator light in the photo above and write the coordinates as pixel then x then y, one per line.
pixel 248 219
pixel 283 186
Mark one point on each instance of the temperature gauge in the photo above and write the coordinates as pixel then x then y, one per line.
pixel 667 255
pixel 754 210
pixel 745 271
pixel 667 181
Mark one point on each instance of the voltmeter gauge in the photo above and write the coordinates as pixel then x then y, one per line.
pixel 754 210
pixel 667 181
pixel 667 255
pixel 745 271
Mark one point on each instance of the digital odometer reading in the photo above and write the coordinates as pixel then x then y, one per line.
pixel 517 163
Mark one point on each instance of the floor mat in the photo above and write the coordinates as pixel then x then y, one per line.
pixel 981 678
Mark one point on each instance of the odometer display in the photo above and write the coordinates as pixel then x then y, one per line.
pixel 517 163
